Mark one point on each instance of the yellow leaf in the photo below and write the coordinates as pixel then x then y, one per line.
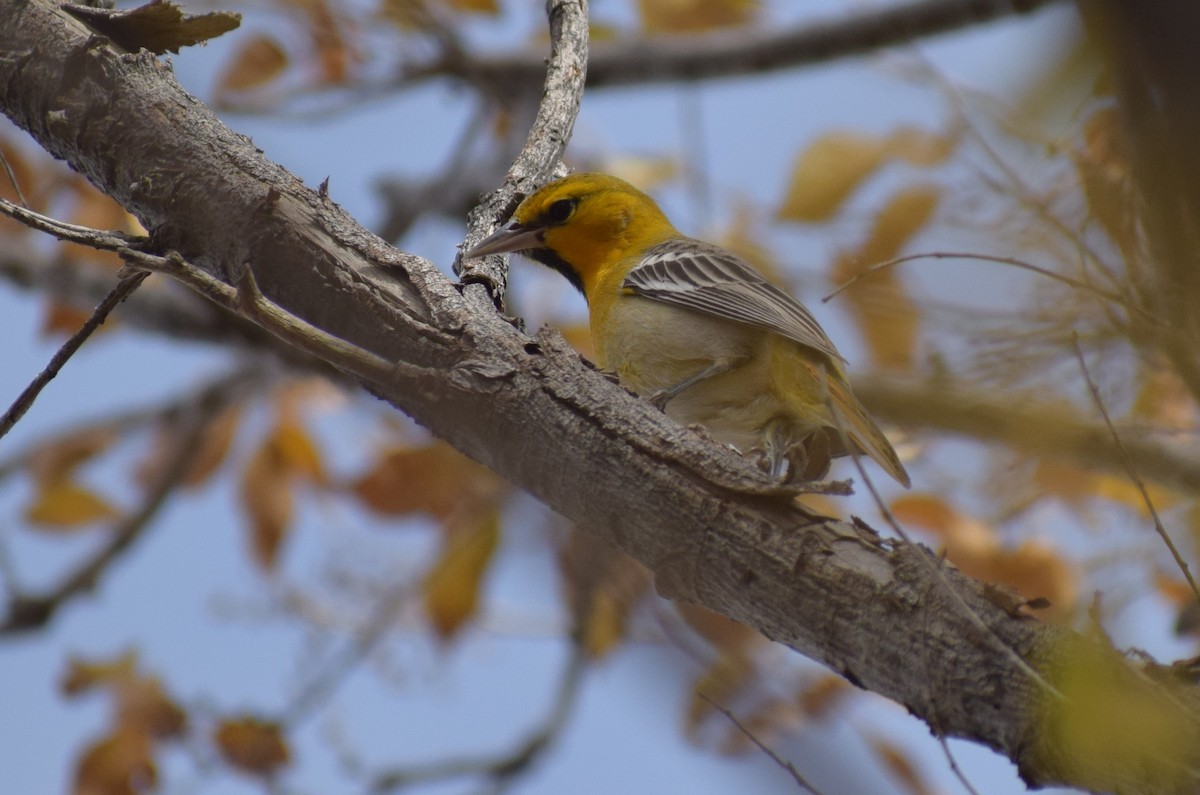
pixel 882 309
pixel 252 745
pixel 718 684
pixel 451 588
pixel 827 173
pixel 605 625
pixel 257 62
pixel 298 453
pixel 64 503
pixel 693 16
pixel 901 218
pixel 645 173
pixel 1106 722
pixel 836 164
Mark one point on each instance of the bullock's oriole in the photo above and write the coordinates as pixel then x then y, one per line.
pixel 695 329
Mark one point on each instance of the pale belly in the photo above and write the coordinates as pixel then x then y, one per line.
pixel 654 347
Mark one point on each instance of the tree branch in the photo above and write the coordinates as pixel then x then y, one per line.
pixel 713 530
pixel 1027 426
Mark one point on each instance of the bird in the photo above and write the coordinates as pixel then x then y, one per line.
pixel 695 329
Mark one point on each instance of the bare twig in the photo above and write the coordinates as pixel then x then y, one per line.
pixel 1130 469
pixel 504 766
pixel 127 284
pixel 83 235
pixel 12 180
pixel 954 768
pixel 26 613
pixel 800 780
pixel 1123 301
pixel 320 687
pixel 247 300
pixel 542 154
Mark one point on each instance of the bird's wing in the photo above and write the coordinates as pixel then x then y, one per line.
pixel 706 278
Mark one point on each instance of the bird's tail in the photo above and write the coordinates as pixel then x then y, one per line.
pixel 862 430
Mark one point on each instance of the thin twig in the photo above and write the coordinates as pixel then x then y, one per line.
pixel 83 235
pixel 12 180
pixel 1058 277
pixel 28 613
pixel 321 687
pixel 766 749
pixel 562 94
pixel 505 766
pixel 1130 469
pixel 126 285
pixel 950 760
pixel 247 300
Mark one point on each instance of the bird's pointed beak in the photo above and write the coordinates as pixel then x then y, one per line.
pixel 511 237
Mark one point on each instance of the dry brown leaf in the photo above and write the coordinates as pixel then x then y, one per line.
pixel 435 479
pixel 119 764
pixel 252 745
pixel 64 504
pixel 83 675
pixel 144 706
pixel 335 55
pixel 605 624
pixel 1105 175
pixel 451 588
pixel 900 765
pixel 214 447
pixel 96 210
pixel 489 7
pixel 60 458
pixel 267 499
pixel 257 62
pixel 1034 569
pixel 726 635
pixel 63 320
pixel 694 16
pixel 820 698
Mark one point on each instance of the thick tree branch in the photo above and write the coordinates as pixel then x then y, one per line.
pixel 704 520
pixel 1029 427
pixel 667 59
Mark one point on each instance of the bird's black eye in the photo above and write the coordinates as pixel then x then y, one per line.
pixel 560 211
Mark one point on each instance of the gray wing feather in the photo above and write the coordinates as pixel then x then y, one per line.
pixel 705 278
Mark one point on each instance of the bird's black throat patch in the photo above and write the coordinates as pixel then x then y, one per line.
pixel 551 260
